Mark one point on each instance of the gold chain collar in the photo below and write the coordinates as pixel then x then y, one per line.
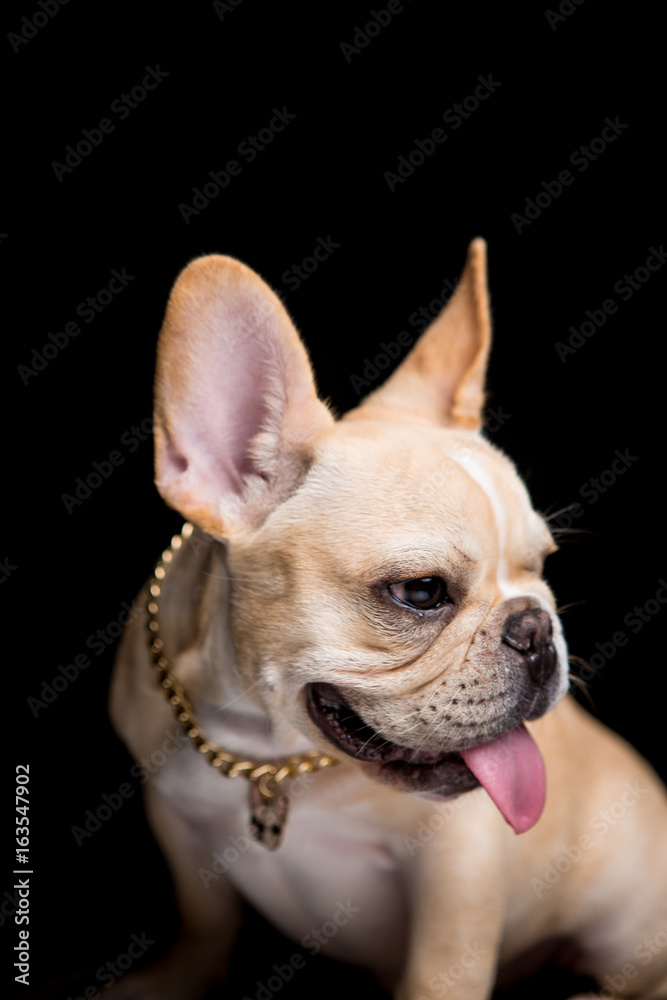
pixel 268 804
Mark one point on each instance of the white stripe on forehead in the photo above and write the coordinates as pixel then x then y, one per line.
pixel 472 462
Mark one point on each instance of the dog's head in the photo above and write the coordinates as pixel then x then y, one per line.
pixel 387 598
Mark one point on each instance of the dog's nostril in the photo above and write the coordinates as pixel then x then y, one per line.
pixel 530 634
pixel 528 630
pixel 542 665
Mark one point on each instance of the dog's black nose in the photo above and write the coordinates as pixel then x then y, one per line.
pixel 530 633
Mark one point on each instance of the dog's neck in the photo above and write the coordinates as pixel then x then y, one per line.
pixel 194 624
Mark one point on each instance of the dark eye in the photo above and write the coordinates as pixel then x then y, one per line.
pixel 425 592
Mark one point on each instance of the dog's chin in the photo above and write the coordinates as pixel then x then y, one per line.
pixel 426 772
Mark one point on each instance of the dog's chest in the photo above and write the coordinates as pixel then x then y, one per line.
pixel 331 887
pixel 334 885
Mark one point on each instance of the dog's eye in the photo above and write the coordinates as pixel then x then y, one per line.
pixel 425 592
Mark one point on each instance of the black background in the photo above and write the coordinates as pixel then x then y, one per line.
pixel 323 176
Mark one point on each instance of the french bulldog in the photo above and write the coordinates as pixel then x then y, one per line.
pixel 357 635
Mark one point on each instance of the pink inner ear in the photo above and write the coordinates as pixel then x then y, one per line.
pixel 225 407
pixel 230 365
pixel 234 396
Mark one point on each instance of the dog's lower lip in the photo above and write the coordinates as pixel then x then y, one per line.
pixel 342 726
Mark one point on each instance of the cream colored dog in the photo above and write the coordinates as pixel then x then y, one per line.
pixel 371 588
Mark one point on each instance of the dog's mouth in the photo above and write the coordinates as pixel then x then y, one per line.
pixel 510 767
pixel 341 724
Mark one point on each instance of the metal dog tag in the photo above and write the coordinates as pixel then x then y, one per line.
pixel 268 815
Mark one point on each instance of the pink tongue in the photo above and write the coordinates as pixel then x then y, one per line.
pixel 511 770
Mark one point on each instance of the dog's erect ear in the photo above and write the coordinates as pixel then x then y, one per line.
pixel 236 410
pixel 442 379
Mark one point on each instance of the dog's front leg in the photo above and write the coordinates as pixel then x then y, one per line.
pixel 211 917
pixel 457 906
